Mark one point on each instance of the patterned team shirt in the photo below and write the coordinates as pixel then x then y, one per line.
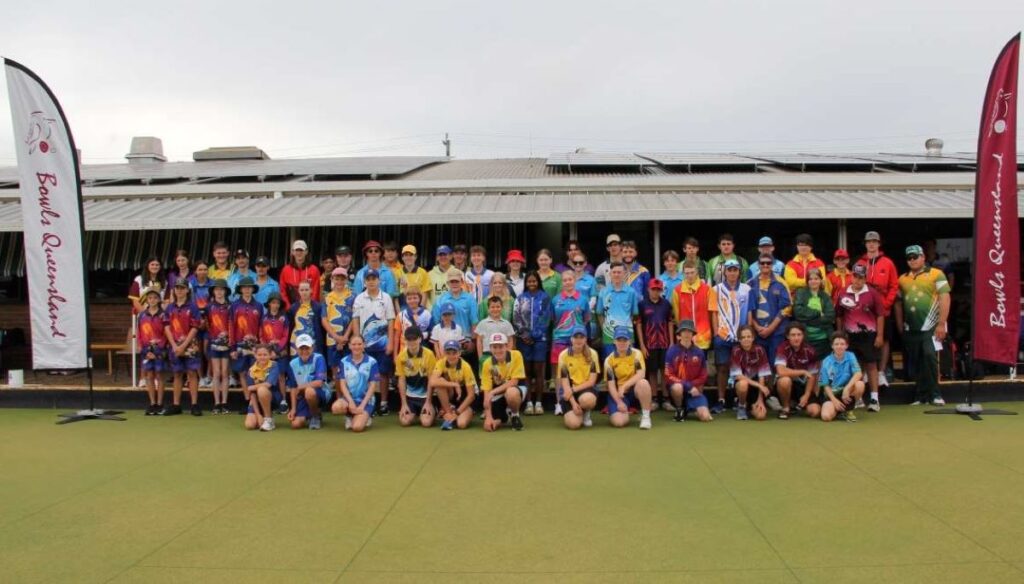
pixel 359 376
pixel 375 317
pixel 338 312
pixel 920 296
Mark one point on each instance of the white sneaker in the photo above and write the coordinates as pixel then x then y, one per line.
pixel 859 405
pixel 206 382
pixel 369 422
pixel 645 422
pixel 558 409
pixel 348 422
pixel 938 402
pixel 267 425
pixel 882 379
pixel 587 422
pixel 528 409
pixel 538 408
pixel 142 383
pixel 917 402
pixel 232 382
pixel 773 403
pixel 667 406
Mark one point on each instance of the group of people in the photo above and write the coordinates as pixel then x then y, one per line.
pixel 461 340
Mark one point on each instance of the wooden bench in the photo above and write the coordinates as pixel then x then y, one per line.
pixel 110 349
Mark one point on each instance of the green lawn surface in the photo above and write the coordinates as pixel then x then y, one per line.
pixel 896 497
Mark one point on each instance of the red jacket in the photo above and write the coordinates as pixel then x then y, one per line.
pixel 292 276
pixel 839 282
pixel 882 276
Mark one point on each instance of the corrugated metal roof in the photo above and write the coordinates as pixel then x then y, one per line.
pixel 521 206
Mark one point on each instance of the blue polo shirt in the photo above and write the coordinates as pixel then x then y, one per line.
pixel 358 376
pixel 466 311
pixel 835 373
pixel 387 281
pixel 618 307
pixel 302 372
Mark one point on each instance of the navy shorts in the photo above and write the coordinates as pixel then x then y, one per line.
pixel 211 354
pixel 535 353
pixel 567 406
pixel 696 401
pixel 629 398
pixel 184 364
pixel 242 363
pixel 324 399
pixel 158 365
pixel 723 352
pixel 655 360
pixel 385 363
pixel 334 357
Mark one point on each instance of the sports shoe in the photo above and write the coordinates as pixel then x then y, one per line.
pixel 558 409
pixel 645 422
pixel 848 415
pixel 216 410
pixel 538 408
pixel 206 382
pixel 282 408
pixel 859 405
pixel 667 406
pixel 719 407
pixel 232 382
pixel 153 410
pixel 447 425
pixel 315 423
pixel 383 410
pixel 917 402
pixel 874 406
pixel 773 403
pixel 883 377
pixel 348 422
pixel 938 401
pixel 741 414
pixel 680 415
pixel 171 411
pixel 267 425
pixel 784 414
pixel 528 409
pixel 587 422
pixel 369 422
pixel 516 421
pixel 195 410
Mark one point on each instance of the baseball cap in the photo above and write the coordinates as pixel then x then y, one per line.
pixel 841 253
pixel 860 270
pixel 342 250
pixel 304 341
pixel 241 253
pixel 622 332
pixel 872 236
pixel 299 244
pixel 766 257
pixel 370 244
pixel 914 249
pixel 656 284
pixel 154 290
pixel 514 255
pixel 804 238
pixel 443 249
pixel 181 283
pixel 454 273
pixel 409 249
pixel 731 264
pixel 339 272
pixel 452 345
pixel 578 330
pixel 447 308
pixel 371 273
pixel 765 241
pixel 613 238
pixel 459 248
pixel 497 339
pixel 262 261
pixel 686 325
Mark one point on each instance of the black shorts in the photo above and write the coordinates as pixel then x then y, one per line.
pixel 567 405
pixel 416 404
pixel 863 346
pixel 499 410
pixel 655 360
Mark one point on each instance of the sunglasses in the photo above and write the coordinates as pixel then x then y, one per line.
pixel 765 263
pixel 579 263
pixel 373 250
pixel 454 281
pixel 913 256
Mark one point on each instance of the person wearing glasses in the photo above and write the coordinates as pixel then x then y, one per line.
pixel 466 312
pixel 766 246
pixel 770 305
pixel 613 243
pixel 373 252
pixel 922 310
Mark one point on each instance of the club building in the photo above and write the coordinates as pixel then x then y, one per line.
pixel 150 207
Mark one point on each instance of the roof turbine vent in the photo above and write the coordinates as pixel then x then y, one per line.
pixel 933 147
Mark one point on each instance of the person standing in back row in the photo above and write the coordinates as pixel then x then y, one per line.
pixel 802 264
pixel 297 271
pixel 883 277
pixel 922 310
pixel 613 243
pixel 716 267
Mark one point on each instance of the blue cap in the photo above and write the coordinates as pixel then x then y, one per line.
pixel 578 330
pixel 447 308
pixel 622 332
pixel 765 241
pixel 371 273
pixel 731 264
pixel 443 249
pixel 452 345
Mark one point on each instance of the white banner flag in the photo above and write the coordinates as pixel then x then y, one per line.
pixel 51 222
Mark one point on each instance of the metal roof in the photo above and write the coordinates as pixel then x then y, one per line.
pixel 509 206
pixel 588 159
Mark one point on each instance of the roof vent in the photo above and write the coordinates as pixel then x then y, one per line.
pixel 146 150
pixel 933 147
pixel 230 153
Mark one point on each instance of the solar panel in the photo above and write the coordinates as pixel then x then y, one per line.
pixel 974 157
pixel 596 159
pixel 814 161
pixel 916 161
pixel 380 166
pixel 696 162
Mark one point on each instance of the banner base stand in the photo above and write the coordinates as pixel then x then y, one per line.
pixel 81 415
pixel 973 411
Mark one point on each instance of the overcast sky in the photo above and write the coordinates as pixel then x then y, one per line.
pixel 512 78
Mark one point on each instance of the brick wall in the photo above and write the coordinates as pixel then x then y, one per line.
pixel 109 322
